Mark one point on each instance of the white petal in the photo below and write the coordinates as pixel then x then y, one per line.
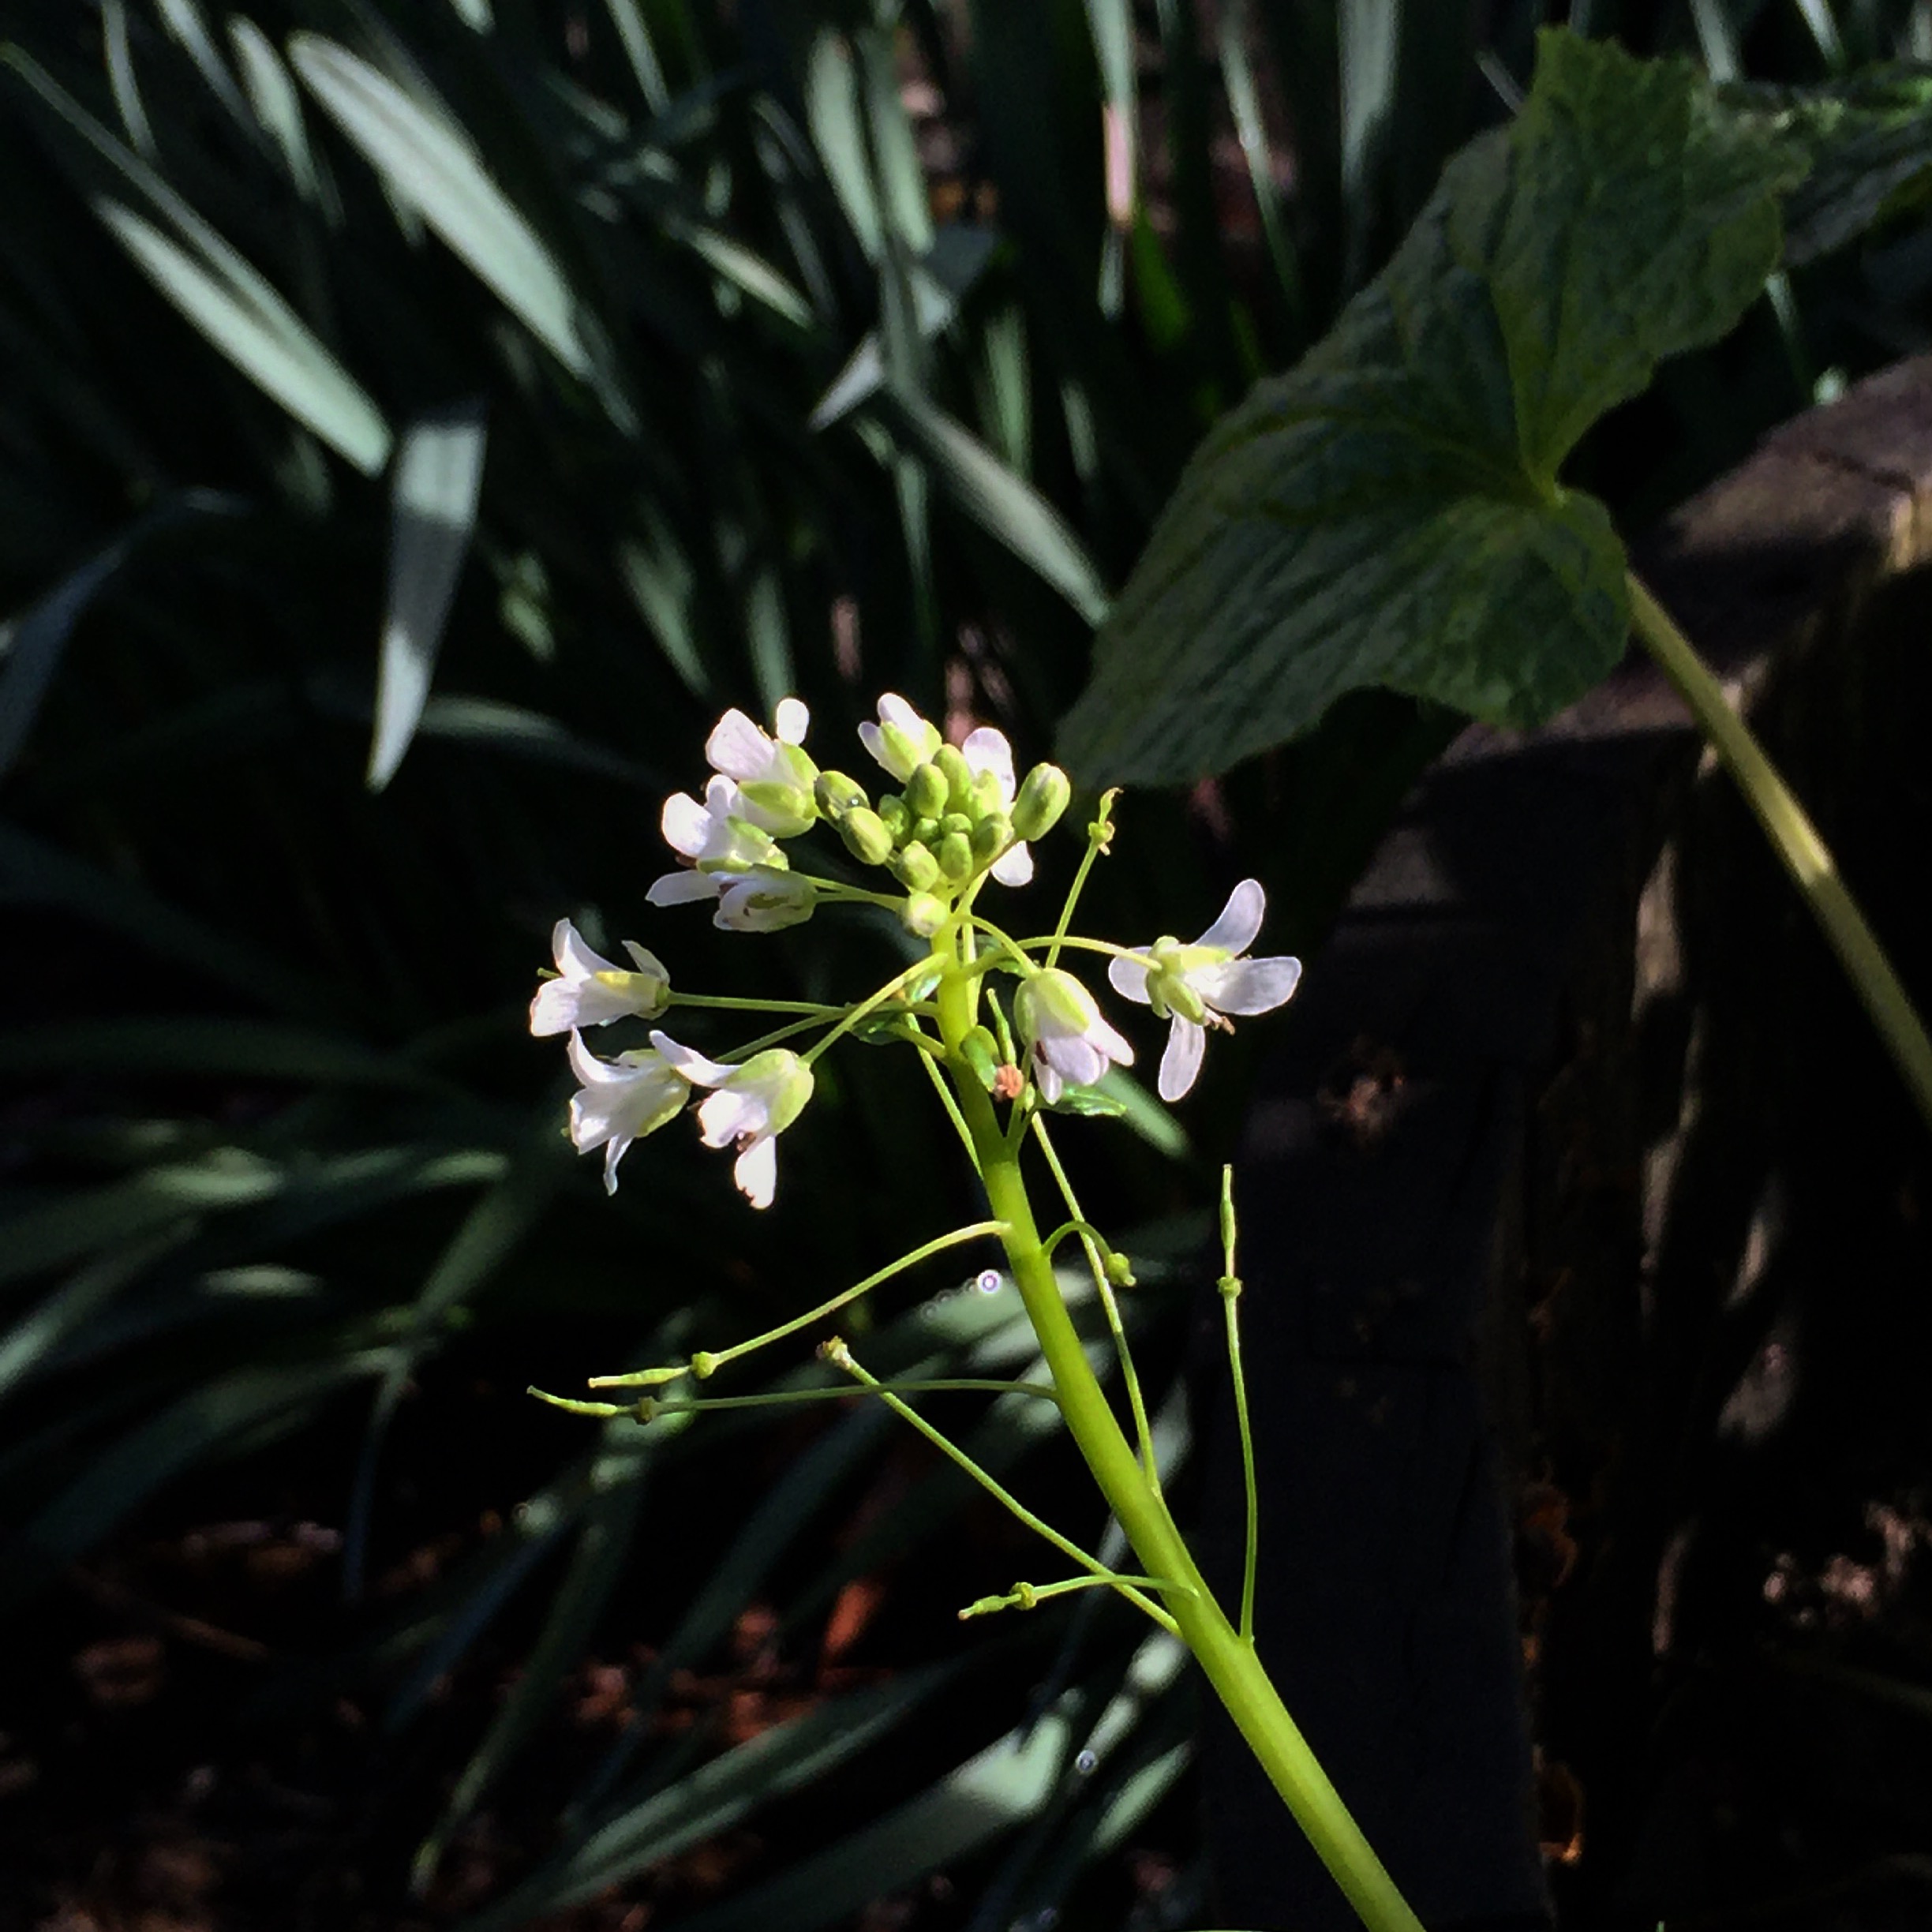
pixel 646 962
pixel 1240 920
pixel 574 958
pixel 756 1172
pixel 986 750
pixel 737 748
pixel 589 1069
pixel 793 720
pixel 893 710
pixel 874 739
pixel 1014 866
pixel 1129 977
pixel 1181 1061
pixel 562 1005
pixel 686 824
pixel 554 1010
pixel 1247 986
pixel 726 1115
pixel 1077 1060
pixel 688 1065
pixel 1046 1080
pixel 680 887
pixel 1111 1041
pixel 614 1151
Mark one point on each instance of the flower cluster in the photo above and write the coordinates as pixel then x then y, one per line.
pixel 957 819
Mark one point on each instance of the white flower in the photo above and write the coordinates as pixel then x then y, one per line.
pixel 589 991
pixel 715 839
pixel 1067 1041
pixel 774 777
pixel 1196 986
pixel 986 750
pixel 901 739
pixel 753 1104
pixel 764 901
pixel 622 1100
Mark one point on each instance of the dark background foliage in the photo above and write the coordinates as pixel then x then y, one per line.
pixel 801 350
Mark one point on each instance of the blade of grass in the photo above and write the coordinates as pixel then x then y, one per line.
pixel 433 494
pixel 424 164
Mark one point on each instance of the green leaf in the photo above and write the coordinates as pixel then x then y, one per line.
pixel 33 644
pixel 1869 139
pixel 1389 513
pixel 425 163
pixel 1007 507
pixel 438 475
pixel 238 310
pixel 998 1789
pixel 711 1800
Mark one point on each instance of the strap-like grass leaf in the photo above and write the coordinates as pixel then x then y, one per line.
pixel 214 1048
pixel 832 111
pixel 991 1792
pixel 1005 506
pixel 237 310
pixel 1388 512
pixel 439 473
pixel 36 641
pixel 271 96
pixel 713 1799
pixel 424 164
pixel 185 1433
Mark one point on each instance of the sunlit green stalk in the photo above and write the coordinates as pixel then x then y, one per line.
pixel 838 1353
pixel 706 1363
pixel 1796 842
pixel 1230 1287
pixel 1130 1377
pixel 1230 1664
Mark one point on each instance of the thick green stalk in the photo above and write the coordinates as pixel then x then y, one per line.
pixel 1231 1665
pixel 1794 839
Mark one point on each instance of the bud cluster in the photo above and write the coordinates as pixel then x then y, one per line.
pixel 957 815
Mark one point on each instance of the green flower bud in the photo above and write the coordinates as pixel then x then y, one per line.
pixel 986 794
pixel 1119 1270
pixel 955 858
pixel 951 764
pixel 865 835
pixel 991 836
pixel 835 794
pixel 926 831
pixel 914 867
pixel 1044 796
pixel 893 815
pixel 922 915
pixel 926 791
pixel 982 1055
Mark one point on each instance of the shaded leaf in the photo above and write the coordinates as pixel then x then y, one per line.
pixel 439 473
pixel 1388 512
pixel 424 164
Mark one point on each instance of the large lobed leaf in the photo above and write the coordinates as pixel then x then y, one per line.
pixel 1387 513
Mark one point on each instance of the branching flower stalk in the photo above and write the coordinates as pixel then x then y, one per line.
pixel 1008 1036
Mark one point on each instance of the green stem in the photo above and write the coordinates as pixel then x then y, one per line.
pixel 724 1003
pixel 1143 1434
pixel 1098 833
pixel 1230 1286
pixel 1231 1665
pixel 1796 842
pixel 870 1004
pixel 706 1364
pixel 1031 1596
pixel 649 1407
pixel 841 1356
